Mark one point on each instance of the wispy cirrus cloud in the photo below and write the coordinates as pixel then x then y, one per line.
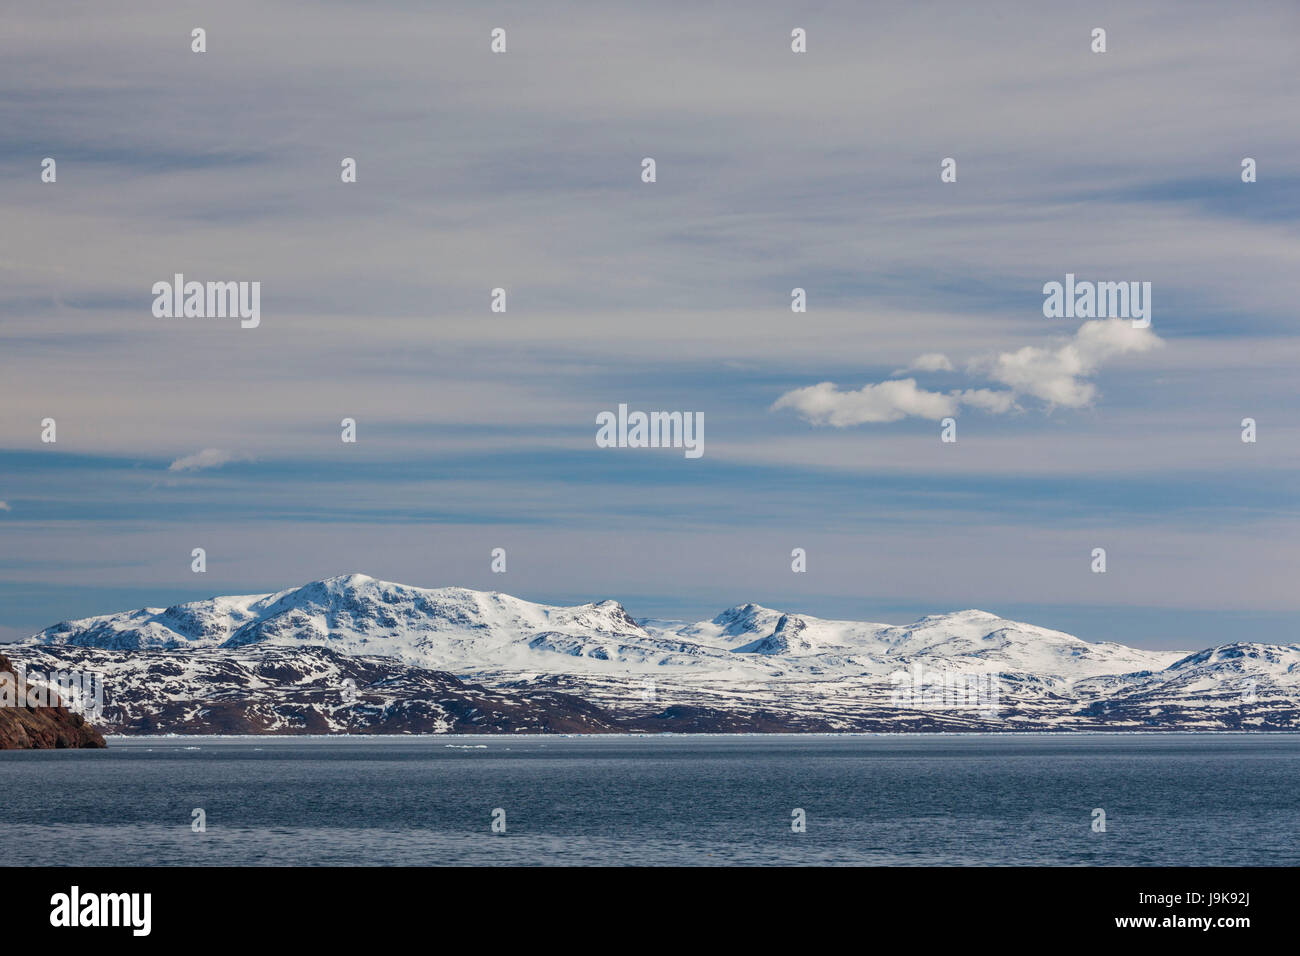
pixel 672 293
pixel 207 458
pixel 929 362
pixel 1054 375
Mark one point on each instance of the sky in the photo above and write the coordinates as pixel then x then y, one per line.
pixel 773 171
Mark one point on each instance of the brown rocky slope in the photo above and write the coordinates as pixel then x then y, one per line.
pixel 24 727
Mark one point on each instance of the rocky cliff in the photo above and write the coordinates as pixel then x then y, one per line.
pixel 24 727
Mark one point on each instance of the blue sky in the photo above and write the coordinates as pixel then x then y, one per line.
pixel 775 170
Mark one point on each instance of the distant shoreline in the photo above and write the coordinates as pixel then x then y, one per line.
pixel 790 734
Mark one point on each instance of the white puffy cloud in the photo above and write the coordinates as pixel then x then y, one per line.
pixel 1057 375
pixel 207 458
pixel 825 404
pixel 4 506
pixel 991 400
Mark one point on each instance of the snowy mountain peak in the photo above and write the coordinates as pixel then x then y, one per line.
pixel 740 667
pixel 1281 657
pixel 746 619
pixel 468 631
pixel 971 614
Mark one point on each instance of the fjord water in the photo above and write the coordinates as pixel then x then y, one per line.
pixel 932 800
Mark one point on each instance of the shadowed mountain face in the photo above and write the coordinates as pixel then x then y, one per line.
pixel 355 654
pixel 26 726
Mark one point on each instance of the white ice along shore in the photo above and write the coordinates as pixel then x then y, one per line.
pixel 814 673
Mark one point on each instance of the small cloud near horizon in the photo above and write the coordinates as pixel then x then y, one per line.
pixel 207 458
pixel 929 362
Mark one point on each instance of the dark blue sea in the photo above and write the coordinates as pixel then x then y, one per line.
pixel 896 800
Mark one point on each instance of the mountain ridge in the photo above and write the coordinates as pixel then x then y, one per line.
pixel 748 666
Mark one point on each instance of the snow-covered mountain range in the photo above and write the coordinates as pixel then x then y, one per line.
pixel 356 653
